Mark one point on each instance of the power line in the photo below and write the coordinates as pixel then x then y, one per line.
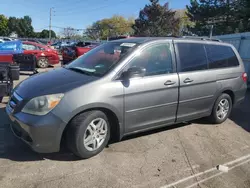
pixel 91 10
pixel 79 29
pixel 42 28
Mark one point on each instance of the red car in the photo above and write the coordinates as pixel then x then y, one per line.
pixel 70 53
pixel 45 55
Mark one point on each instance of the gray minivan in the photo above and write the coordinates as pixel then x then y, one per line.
pixel 126 86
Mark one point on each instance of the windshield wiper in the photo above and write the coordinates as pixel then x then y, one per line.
pixel 81 70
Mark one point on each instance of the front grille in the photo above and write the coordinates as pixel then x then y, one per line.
pixel 14 101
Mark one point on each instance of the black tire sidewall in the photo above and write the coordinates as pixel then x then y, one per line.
pixel 214 115
pixel 81 150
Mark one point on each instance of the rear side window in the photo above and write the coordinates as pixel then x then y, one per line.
pixel 192 57
pixel 221 56
pixel 29 47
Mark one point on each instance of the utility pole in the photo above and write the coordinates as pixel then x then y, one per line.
pixel 50 15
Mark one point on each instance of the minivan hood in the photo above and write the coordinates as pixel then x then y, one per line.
pixel 55 81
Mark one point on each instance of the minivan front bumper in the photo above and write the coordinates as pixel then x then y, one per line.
pixel 42 133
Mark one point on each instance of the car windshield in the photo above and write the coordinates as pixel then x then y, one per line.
pixel 101 59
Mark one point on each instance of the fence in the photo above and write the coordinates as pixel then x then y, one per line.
pixel 241 41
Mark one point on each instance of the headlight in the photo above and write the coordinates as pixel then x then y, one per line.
pixel 42 105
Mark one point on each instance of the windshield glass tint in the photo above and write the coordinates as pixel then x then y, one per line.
pixel 101 59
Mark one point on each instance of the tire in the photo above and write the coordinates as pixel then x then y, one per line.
pixel 79 132
pixel 221 110
pixel 42 62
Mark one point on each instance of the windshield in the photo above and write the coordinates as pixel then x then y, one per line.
pixel 101 59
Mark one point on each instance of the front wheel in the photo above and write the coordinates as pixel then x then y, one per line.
pixel 88 134
pixel 222 109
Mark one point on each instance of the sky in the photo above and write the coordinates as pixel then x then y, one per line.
pixel 77 14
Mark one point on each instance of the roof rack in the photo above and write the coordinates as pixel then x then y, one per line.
pixel 202 38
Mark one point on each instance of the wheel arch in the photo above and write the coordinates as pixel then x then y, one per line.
pixel 231 94
pixel 228 91
pixel 114 118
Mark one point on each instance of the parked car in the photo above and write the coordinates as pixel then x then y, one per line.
pixel 8 49
pixel 34 40
pixel 59 45
pixel 56 45
pixel 6 39
pixel 118 37
pixel 72 52
pixel 45 55
pixel 124 87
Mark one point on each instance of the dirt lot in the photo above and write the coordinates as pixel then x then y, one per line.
pixel 184 155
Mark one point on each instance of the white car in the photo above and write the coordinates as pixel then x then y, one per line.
pixel 6 39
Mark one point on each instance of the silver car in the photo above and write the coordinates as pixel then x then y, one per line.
pixel 127 86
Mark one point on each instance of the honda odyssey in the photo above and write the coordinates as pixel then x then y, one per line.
pixel 126 86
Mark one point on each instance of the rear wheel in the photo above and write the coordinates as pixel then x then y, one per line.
pixel 222 109
pixel 88 134
pixel 42 62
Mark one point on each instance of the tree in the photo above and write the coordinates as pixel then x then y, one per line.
pixel 242 13
pixel 94 31
pixel 3 25
pixel 224 15
pixel 45 34
pixel 156 20
pixel 114 26
pixel 185 22
pixel 22 26
pixel 36 34
pixel 13 25
pixel 69 32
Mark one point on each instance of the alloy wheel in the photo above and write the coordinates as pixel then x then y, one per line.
pixel 95 134
pixel 222 109
pixel 42 63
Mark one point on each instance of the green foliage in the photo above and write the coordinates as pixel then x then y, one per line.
pixel 114 26
pixel 156 20
pixel 21 26
pixel 185 22
pixel 3 25
pixel 45 34
pixel 227 16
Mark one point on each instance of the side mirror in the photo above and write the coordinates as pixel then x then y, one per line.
pixel 133 72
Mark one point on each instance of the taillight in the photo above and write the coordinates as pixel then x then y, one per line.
pixel 244 77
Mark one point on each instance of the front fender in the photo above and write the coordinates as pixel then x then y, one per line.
pixel 97 105
pixel 90 107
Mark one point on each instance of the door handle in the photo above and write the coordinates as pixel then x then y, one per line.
pixel 188 80
pixel 169 83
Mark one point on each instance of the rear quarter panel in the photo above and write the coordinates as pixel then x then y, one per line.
pixel 231 78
